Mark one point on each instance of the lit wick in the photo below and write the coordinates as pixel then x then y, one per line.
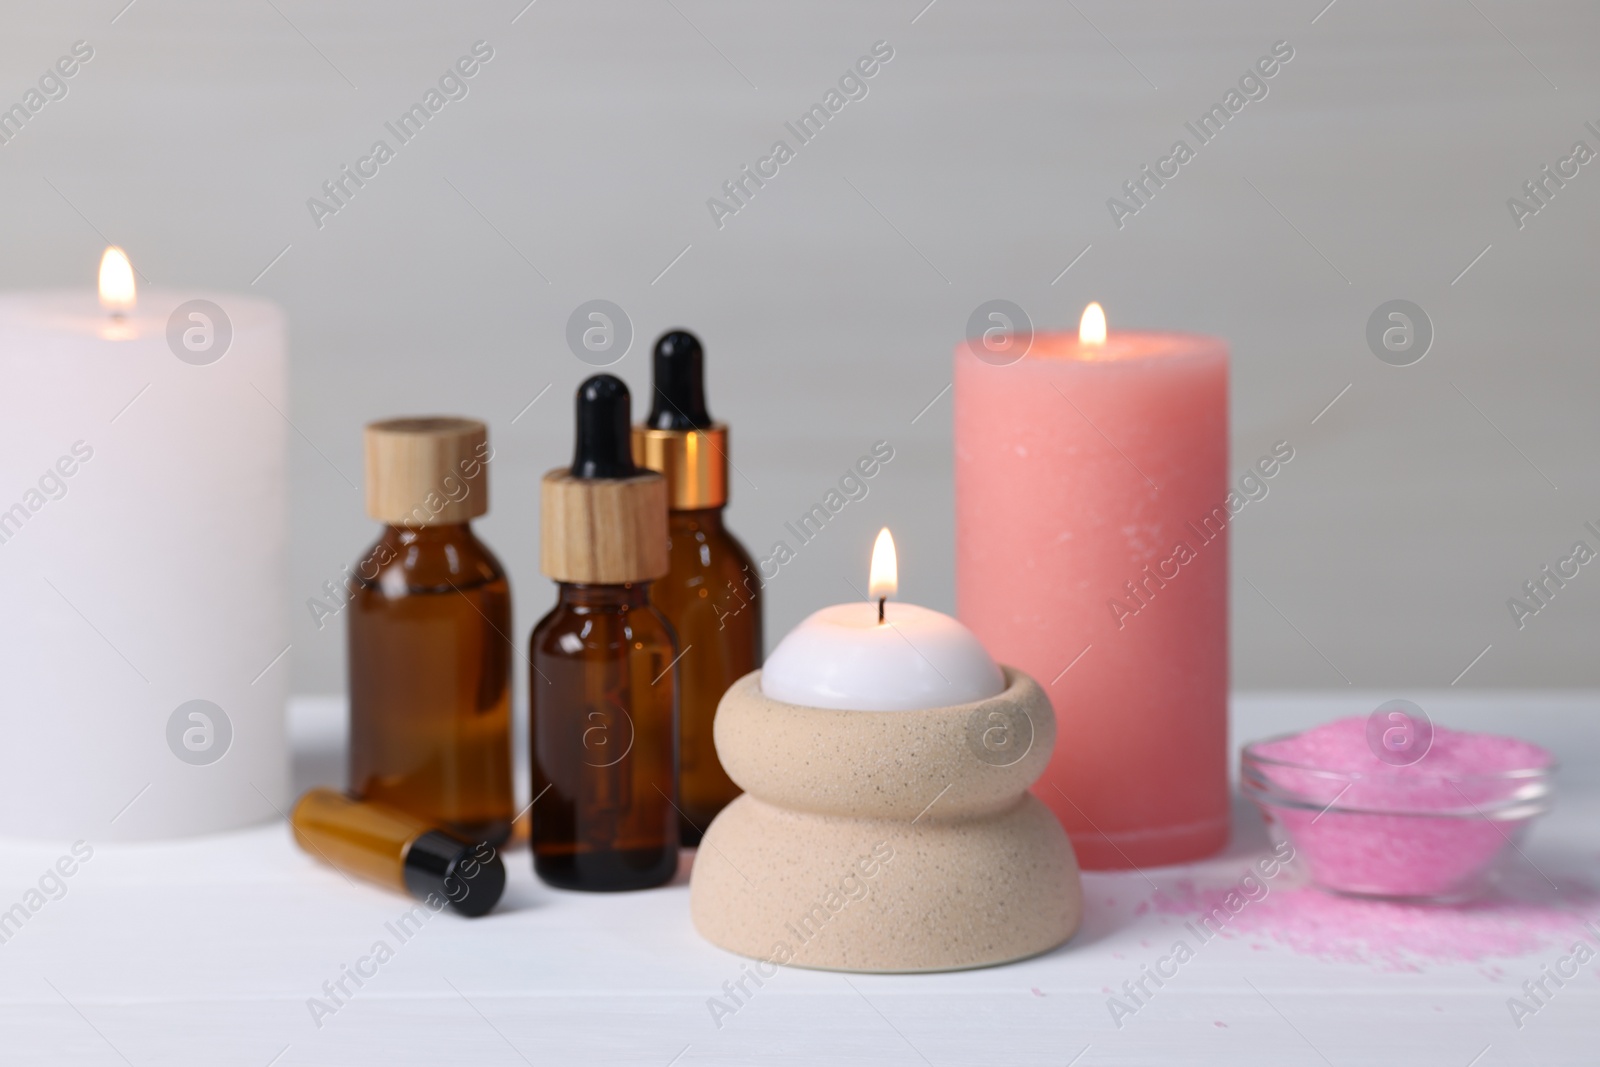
pixel 117 290
pixel 884 579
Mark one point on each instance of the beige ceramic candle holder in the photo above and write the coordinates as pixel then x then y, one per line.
pixel 886 841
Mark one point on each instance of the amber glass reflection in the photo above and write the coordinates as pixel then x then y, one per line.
pixel 604 737
pixel 430 680
pixel 712 599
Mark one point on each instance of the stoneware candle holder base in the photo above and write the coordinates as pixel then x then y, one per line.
pixel 886 841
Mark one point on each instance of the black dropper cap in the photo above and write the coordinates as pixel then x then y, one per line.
pixel 679 401
pixel 443 865
pixel 604 441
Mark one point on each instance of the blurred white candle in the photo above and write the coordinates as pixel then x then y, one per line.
pixel 142 562
pixel 844 657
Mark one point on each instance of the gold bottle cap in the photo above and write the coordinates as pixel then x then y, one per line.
pixel 695 463
pixel 427 471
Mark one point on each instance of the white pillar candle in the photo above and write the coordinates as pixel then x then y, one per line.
pixel 142 559
pixel 879 656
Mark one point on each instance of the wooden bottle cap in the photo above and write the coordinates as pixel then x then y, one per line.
pixel 603 531
pixel 427 471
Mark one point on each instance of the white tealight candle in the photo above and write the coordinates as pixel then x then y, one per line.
pixel 878 656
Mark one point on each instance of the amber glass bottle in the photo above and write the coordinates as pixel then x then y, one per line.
pixel 398 850
pixel 430 635
pixel 712 595
pixel 603 688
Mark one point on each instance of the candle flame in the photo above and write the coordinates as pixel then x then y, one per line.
pixel 884 579
pixel 117 290
pixel 1092 327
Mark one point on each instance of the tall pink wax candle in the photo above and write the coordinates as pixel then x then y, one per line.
pixel 1092 552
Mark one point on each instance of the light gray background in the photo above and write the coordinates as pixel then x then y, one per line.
pixel 978 166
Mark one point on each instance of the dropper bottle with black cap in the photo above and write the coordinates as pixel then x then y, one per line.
pixel 712 594
pixel 603 690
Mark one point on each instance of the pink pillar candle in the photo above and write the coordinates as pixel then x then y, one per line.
pixel 1092 553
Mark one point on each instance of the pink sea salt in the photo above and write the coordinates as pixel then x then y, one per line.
pixel 1429 830
pixel 1522 916
pixel 1460 768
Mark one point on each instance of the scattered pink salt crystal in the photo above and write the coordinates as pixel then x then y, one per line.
pixel 1523 915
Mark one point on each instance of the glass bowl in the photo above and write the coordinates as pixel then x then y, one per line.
pixel 1398 833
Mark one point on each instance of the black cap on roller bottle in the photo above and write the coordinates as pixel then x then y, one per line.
pixel 470 877
pixel 604 447
pixel 679 399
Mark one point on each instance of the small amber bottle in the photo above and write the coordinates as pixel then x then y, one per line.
pixel 430 635
pixel 387 846
pixel 712 595
pixel 603 689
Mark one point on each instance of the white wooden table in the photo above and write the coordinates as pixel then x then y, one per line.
pixel 207 951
